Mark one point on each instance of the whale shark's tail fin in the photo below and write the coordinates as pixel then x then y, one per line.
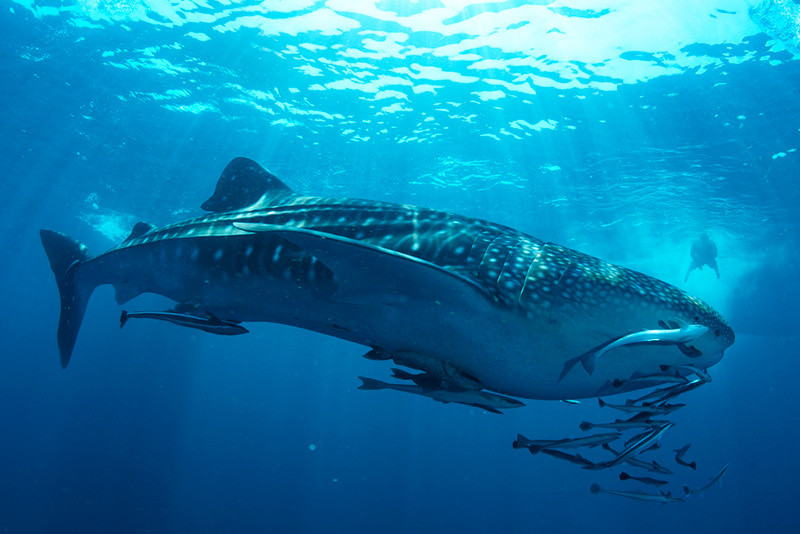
pixel 66 255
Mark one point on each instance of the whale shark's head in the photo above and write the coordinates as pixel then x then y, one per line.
pixel 625 324
pixel 719 336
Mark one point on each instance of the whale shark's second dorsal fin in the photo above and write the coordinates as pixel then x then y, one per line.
pixel 139 229
pixel 243 183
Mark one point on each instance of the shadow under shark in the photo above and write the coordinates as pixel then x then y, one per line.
pixel 473 304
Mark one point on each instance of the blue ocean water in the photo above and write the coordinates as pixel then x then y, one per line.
pixel 621 129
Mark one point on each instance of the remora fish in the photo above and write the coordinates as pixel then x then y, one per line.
pixel 679 457
pixel 697 491
pixel 653 467
pixel 572 458
pixel 490 402
pixel 210 324
pixel 687 333
pixel 700 373
pixel 671 392
pixel 639 445
pixel 660 409
pixel 537 445
pixel 423 379
pixel 623 425
pixel 644 480
pixel 638 495
pixel 473 303
pixel 659 378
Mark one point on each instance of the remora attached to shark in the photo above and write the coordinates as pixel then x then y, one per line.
pixel 472 303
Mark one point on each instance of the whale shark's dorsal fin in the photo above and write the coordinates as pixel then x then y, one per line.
pixel 243 183
pixel 139 229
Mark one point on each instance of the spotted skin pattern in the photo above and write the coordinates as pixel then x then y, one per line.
pixel 517 270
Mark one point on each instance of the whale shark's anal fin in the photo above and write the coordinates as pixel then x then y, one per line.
pixel 66 255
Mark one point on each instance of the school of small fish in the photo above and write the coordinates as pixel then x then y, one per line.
pixel 646 419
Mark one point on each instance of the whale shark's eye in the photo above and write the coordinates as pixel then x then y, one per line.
pixel 716 332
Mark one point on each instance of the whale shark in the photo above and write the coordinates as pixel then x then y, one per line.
pixel 474 304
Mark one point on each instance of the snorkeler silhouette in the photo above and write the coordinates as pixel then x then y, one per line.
pixel 704 252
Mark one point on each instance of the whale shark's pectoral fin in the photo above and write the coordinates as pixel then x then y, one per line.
pixel 568 365
pixel 368 273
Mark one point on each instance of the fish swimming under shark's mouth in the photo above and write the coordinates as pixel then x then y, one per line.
pixel 473 304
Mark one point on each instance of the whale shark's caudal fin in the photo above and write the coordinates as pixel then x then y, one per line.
pixel 66 255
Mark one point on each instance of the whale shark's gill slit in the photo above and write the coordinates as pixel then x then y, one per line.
pixel 450 246
pixel 494 259
pixel 529 273
pixel 478 250
pixel 564 272
pixel 514 274
pixel 538 292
